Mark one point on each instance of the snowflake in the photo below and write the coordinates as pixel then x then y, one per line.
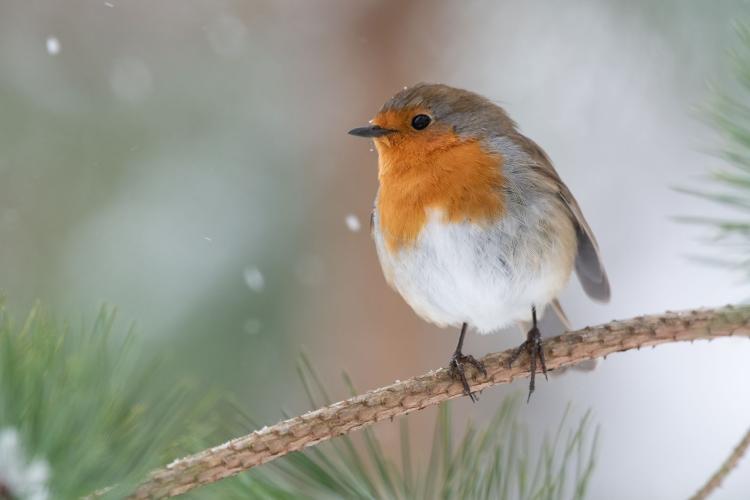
pixel 352 222
pixel 254 279
pixel 19 478
pixel 53 46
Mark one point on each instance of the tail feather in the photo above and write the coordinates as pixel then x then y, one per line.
pixel 557 307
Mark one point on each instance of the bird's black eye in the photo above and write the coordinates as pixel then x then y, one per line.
pixel 420 122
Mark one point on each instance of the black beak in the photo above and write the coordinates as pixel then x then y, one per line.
pixel 371 131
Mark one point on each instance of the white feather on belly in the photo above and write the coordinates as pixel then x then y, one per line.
pixel 466 272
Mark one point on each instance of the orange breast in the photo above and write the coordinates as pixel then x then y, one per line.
pixel 455 176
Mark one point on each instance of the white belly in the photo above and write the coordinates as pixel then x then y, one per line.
pixel 464 272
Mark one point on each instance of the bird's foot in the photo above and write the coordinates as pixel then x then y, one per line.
pixel 457 371
pixel 533 346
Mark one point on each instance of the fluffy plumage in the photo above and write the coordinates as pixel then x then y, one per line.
pixel 472 223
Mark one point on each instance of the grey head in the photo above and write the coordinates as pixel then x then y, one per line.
pixel 470 114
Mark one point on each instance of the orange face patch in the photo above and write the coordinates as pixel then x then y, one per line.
pixel 432 168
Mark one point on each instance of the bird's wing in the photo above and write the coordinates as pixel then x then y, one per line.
pixel 589 266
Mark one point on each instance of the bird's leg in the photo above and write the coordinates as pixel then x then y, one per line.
pixel 456 365
pixel 533 346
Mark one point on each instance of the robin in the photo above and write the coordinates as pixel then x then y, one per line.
pixel 472 224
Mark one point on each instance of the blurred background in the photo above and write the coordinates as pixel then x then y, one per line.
pixel 188 163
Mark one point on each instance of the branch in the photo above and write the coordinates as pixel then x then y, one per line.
pixel 401 398
pixel 730 463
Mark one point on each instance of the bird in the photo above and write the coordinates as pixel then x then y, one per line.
pixel 472 224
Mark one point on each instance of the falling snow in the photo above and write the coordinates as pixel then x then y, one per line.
pixel 21 479
pixel 352 222
pixel 254 279
pixel 53 46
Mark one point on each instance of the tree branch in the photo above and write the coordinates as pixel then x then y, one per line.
pixel 730 463
pixel 401 398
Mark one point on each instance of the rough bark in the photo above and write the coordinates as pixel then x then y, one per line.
pixel 407 396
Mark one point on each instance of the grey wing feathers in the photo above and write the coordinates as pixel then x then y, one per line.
pixel 588 262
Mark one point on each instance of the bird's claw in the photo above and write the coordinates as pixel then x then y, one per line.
pixel 457 371
pixel 533 346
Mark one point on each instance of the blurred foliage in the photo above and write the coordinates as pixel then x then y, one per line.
pixel 729 113
pixel 489 462
pixel 98 413
pixel 90 406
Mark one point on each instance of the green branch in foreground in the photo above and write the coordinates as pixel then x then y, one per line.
pixel 404 397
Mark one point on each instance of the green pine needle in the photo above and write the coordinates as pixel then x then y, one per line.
pixel 87 404
pixel 729 113
pixel 488 462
